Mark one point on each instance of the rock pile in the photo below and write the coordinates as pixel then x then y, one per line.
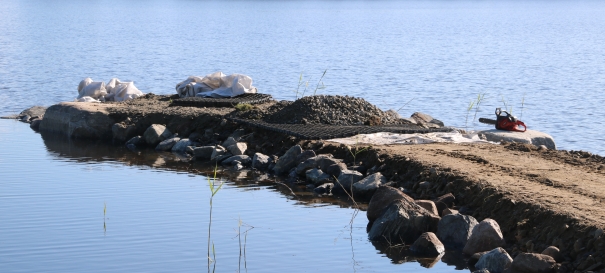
pixel 332 110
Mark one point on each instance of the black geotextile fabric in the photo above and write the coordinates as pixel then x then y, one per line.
pixel 322 131
pixel 255 98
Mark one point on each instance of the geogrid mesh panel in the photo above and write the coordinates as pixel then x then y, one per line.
pixel 222 102
pixel 321 131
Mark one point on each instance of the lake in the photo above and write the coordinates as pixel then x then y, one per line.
pixel 541 59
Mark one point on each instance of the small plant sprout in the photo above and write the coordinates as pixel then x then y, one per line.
pixel 301 83
pixel 468 110
pixel 320 82
pixel 509 110
pixel 356 150
pixel 213 190
pixel 522 105
pixel 480 98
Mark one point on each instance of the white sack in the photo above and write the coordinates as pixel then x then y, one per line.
pixel 95 90
pixel 121 91
pixel 215 85
pixel 86 99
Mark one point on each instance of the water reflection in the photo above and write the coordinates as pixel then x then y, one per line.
pixel 86 151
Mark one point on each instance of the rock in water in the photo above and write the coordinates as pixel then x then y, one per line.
pixel 455 229
pixel 260 161
pixel 167 144
pixel 427 245
pixel 496 261
pixel 382 198
pixel 155 134
pixel 368 185
pixel 288 160
pixel 403 221
pixel 485 236
pixel 204 152
pixel 181 146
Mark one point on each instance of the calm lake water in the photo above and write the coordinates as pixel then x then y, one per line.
pixel 543 59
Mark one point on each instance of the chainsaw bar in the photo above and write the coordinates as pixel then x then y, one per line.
pixel 487 121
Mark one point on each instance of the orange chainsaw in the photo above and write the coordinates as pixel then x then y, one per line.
pixel 505 121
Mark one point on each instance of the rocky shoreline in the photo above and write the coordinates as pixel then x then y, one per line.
pixel 411 201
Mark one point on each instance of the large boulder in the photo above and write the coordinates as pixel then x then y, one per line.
pixel 260 161
pixel 167 144
pixel 230 141
pixel 455 229
pixel 529 137
pixel 427 120
pixel 382 198
pixel 368 185
pixel 306 154
pixel 217 152
pixel 496 261
pixel 204 152
pixel 533 263
pixel 485 236
pixel 335 170
pixel 324 162
pixel 288 160
pixel 402 221
pixel 427 245
pixel 155 134
pixel 181 146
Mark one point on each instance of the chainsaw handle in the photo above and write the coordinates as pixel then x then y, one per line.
pixel 520 123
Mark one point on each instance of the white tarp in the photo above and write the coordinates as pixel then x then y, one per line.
pixel 216 85
pixel 115 90
pixel 392 138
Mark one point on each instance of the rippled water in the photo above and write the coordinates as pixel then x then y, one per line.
pixel 543 58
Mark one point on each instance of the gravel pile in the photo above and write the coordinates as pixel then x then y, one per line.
pixel 332 110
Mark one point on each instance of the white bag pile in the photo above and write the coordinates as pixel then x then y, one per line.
pixel 216 85
pixel 115 90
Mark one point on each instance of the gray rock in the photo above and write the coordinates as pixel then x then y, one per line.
pixel 181 146
pixel 217 151
pixel 382 198
pixel 336 169
pixel 402 221
pixel 122 132
pixel 393 114
pixel 260 161
pixel 230 141
pixel 155 134
pixel 425 119
pixel 368 185
pixel 533 263
pixel 455 230
pixel 447 199
pixel 136 141
pixel 237 148
pixel 306 154
pixel 309 163
pixel 428 205
pixel 496 261
pixel 317 177
pixel 485 236
pixel 553 252
pixel 324 162
pixel 242 159
pixel 475 258
pixel 530 137
pixel 167 144
pixel 427 245
pixel 347 178
pixel 35 124
pixel 34 111
pixel 204 152
pixel 288 160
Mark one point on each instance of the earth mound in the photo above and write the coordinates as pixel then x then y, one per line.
pixel 332 110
